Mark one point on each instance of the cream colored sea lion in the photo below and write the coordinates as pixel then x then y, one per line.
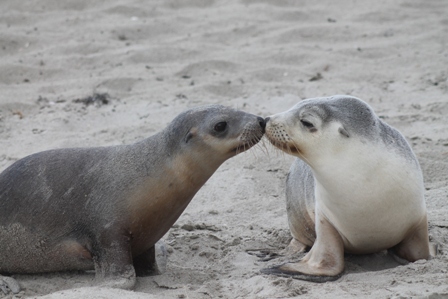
pixel 104 208
pixel 356 187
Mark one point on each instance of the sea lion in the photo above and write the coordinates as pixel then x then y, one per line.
pixel 355 187
pixel 104 208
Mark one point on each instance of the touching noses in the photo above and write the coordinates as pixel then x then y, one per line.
pixel 262 122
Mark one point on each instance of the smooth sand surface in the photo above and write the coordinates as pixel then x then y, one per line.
pixel 155 59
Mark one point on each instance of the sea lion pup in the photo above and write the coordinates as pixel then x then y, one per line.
pixel 356 187
pixel 104 208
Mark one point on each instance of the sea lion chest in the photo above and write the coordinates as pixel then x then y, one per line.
pixel 160 199
pixel 372 199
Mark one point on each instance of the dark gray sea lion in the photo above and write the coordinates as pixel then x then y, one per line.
pixel 104 208
pixel 356 187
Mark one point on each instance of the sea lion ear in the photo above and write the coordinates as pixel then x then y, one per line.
pixel 343 132
pixel 188 137
pixel 193 131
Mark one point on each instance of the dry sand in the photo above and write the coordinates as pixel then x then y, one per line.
pixel 157 58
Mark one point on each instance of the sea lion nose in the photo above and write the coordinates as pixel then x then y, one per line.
pixel 262 122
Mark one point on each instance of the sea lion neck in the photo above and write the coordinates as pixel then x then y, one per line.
pixel 155 144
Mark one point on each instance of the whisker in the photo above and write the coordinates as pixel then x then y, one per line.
pixel 240 148
pixel 252 145
pixel 263 147
pixel 280 153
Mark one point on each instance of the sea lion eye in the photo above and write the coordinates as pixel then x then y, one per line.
pixel 307 124
pixel 220 127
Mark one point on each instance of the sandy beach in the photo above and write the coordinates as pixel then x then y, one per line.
pixel 99 73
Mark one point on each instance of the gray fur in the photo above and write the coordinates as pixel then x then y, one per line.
pixel 332 208
pixel 54 199
pixel 357 118
pixel 300 183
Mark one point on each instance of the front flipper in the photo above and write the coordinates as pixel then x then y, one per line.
pixel 152 261
pixel 294 248
pixel 288 270
pixel 113 262
pixel 264 255
pixel 9 284
pixel 325 260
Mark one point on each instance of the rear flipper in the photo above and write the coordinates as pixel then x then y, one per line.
pixel 9 284
pixel 294 248
pixel 324 262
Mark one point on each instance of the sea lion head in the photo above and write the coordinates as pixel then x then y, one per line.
pixel 321 124
pixel 216 128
